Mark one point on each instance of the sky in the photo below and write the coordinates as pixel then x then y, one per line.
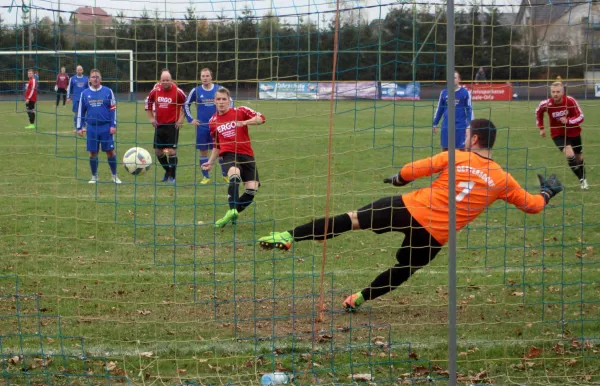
pixel 373 9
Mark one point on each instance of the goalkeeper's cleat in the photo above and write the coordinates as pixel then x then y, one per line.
pixel 226 179
pixel 31 126
pixel 93 180
pixel 279 240
pixel 353 302
pixel 230 216
pixel 171 181
pixel 205 181
pixel 583 184
pixel 116 179
pixel 165 177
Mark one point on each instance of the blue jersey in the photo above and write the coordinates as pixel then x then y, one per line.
pixel 97 108
pixel 464 109
pixel 205 105
pixel 76 86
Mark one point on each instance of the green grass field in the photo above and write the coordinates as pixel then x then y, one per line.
pixel 132 283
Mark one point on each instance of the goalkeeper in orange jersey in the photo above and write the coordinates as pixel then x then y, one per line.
pixel 422 215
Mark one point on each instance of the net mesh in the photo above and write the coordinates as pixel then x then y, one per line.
pixel 132 283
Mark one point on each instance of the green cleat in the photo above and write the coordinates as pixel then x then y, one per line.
pixel 230 216
pixel 353 302
pixel 280 240
pixel 30 127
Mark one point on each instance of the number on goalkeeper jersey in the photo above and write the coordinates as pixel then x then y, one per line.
pixel 468 186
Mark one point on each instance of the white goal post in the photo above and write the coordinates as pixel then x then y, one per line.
pixel 82 52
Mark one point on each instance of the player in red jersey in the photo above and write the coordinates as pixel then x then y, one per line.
pixel 422 215
pixel 164 109
pixel 31 98
pixel 566 118
pixel 229 128
pixel 62 83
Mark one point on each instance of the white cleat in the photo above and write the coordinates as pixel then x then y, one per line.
pixel 116 179
pixel 583 184
pixel 93 180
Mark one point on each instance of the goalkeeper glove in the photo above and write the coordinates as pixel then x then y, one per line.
pixel 396 180
pixel 550 187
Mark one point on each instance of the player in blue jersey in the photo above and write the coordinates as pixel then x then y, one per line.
pixel 464 114
pixel 77 84
pixel 98 108
pixel 204 96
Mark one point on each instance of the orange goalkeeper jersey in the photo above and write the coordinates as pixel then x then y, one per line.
pixel 479 182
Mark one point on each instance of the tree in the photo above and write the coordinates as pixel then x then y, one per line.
pixel 409 42
pixel 146 47
pixel 189 36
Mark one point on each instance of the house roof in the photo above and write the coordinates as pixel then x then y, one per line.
pixel 545 11
pixel 91 14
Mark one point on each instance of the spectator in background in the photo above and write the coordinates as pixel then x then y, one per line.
pixel 480 76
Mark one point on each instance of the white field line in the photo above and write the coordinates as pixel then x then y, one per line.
pixel 164 270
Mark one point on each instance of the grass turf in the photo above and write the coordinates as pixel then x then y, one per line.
pixel 154 293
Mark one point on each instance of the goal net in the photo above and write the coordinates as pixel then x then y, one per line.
pixel 132 283
pixel 116 67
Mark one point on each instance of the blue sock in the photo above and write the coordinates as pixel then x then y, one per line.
pixel 94 165
pixel 112 162
pixel 203 160
pixel 223 167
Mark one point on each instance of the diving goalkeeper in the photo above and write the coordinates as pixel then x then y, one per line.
pixel 422 215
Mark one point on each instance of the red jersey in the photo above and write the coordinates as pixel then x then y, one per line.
pixel 567 107
pixel 62 81
pixel 166 103
pixel 31 90
pixel 479 182
pixel 228 136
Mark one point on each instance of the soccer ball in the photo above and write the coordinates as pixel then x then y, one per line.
pixel 137 161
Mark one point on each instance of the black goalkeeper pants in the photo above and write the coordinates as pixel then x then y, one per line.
pixel 418 247
pixel 63 92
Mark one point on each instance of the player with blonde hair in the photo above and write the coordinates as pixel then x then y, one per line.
pixel 566 118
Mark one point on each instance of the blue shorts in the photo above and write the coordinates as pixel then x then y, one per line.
pixel 97 136
pixel 75 106
pixel 459 142
pixel 203 139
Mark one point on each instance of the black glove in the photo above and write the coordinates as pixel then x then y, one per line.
pixel 550 187
pixel 396 180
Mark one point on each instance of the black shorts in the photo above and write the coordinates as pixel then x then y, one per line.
pixel 62 91
pixel 166 136
pixel 389 214
pixel 30 107
pixel 563 141
pixel 246 164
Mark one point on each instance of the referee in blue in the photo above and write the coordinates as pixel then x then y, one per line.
pixel 98 110
pixel 464 114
